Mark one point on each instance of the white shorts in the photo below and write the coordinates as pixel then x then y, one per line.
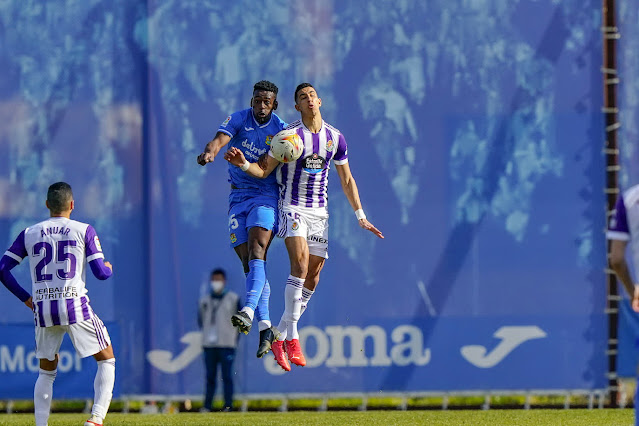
pixel 306 222
pixel 88 337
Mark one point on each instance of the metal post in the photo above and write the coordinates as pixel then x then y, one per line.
pixel 611 79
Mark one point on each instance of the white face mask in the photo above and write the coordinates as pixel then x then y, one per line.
pixel 217 286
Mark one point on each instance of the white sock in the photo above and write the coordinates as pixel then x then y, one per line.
pixel 293 305
pixel 306 296
pixel 250 312
pixel 103 387
pixel 42 395
pixel 264 325
pixel 281 327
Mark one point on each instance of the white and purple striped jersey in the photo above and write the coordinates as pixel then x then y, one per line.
pixel 58 250
pixel 624 223
pixel 305 182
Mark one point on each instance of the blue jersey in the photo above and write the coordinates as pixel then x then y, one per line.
pixel 253 140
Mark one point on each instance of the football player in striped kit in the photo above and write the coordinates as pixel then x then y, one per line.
pixel 303 221
pixel 59 250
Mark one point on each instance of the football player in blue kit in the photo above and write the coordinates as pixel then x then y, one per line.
pixel 252 203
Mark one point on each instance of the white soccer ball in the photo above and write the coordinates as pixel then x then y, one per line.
pixel 287 146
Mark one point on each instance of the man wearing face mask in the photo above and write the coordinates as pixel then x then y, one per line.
pixel 219 337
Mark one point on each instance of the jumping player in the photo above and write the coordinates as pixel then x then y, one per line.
pixel 252 203
pixel 303 220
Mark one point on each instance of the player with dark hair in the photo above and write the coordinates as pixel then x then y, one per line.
pixel 58 250
pixel 303 220
pixel 252 203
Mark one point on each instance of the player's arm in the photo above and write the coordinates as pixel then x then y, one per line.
pixel 352 194
pixel 6 265
pixel 236 157
pixel 211 149
pixel 101 269
pixel 10 260
pixel 619 264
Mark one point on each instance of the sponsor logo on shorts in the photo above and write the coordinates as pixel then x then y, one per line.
pixel 295 226
pixel 233 238
pixel 318 239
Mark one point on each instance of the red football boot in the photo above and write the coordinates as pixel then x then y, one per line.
pixel 280 356
pixel 294 352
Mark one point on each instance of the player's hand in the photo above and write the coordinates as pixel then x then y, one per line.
pixel 369 227
pixel 29 303
pixel 635 299
pixel 235 157
pixel 205 157
pixel 108 265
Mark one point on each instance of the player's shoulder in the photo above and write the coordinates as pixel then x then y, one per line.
pixel 238 116
pixel 334 130
pixel 294 125
pixel 278 120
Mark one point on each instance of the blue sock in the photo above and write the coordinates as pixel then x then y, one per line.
pixel 255 282
pixel 261 312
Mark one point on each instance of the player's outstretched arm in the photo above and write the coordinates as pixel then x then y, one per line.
pixel 352 194
pixel 212 148
pixel 236 157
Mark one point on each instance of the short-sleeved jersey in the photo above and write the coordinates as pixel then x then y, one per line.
pixel 253 140
pixel 58 250
pixel 624 223
pixel 305 182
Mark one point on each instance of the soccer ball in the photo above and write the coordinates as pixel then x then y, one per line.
pixel 287 146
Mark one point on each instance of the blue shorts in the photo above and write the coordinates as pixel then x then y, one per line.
pixel 247 211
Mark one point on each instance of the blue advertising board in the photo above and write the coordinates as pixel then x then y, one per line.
pixel 474 133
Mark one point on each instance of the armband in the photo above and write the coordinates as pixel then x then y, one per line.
pixel 359 214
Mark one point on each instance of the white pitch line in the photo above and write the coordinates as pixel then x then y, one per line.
pixel 429 304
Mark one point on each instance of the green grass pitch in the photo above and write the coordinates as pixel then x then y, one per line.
pixel 536 417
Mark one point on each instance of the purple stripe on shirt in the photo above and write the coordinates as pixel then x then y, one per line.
pixel 311 177
pixel 295 185
pixel 85 308
pixel 55 316
pixel 322 189
pixel 40 314
pixel 70 310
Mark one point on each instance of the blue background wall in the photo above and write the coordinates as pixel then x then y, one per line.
pixel 475 136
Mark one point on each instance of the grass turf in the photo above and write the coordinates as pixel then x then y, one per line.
pixel 452 417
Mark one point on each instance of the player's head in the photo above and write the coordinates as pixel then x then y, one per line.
pixel 264 100
pixel 306 99
pixel 218 280
pixel 60 199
